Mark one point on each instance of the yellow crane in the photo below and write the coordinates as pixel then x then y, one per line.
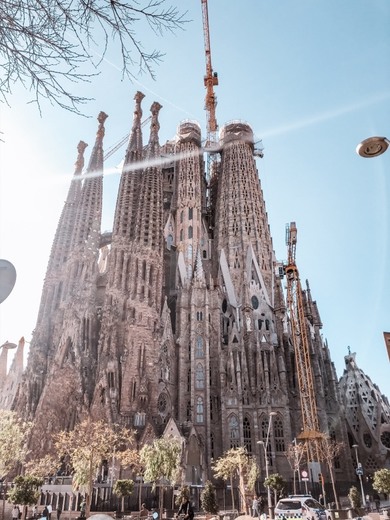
pixel 210 81
pixel 310 432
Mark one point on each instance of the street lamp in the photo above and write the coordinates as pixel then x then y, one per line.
pixel 372 147
pixel 358 466
pixel 265 446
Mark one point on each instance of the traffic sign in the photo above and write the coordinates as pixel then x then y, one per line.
pixel 359 471
pixel 304 475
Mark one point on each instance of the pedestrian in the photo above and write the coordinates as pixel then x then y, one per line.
pixel 255 507
pixel 35 512
pixel 143 511
pixel 45 513
pixel 59 511
pixel 186 509
pixel 15 512
pixel 321 500
pixel 377 501
pixel 261 505
pixel 83 507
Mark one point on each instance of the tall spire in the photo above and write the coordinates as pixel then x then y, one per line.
pixel 90 203
pixel 62 240
pixel 241 218
pixel 61 247
pixel 128 193
pixel 149 230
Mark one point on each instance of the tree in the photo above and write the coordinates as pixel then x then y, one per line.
pixel 208 499
pixel 328 450
pixel 13 441
pixel 87 446
pixel 381 482
pixel 162 464
pixel 26 491
pixel 123 488
pixel 45 43
pixel 237 463
pixel 277 483
pixel 354 497
pixel 294 454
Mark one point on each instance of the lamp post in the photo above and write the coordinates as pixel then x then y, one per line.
pixel 358 465
pixel 265 446
pixel 372 147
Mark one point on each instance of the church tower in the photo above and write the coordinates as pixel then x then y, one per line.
pixel 62 360
pixel 130 347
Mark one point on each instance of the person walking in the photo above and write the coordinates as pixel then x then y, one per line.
pixel 186 509
pixel 45 513
pixel 255 507
pixel 15 512
pixel 377 500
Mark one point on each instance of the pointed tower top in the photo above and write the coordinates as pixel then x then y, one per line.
pixel 79 164
pixel 96 160
pixel 135 141
pixel 155 125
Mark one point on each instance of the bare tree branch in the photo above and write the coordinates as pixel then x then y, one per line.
pixel 46 45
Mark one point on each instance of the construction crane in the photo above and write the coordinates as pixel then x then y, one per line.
pixel 123 141
pixel 310 433
pixel 210 81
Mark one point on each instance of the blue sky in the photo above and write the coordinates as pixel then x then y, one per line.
pixel 312 79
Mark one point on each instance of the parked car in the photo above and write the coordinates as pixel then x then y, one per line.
pixel 300 506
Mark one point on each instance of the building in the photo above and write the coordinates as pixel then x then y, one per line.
pixel 367 414
pixel 178 317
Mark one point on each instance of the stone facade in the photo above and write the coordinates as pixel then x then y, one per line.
pixel 176 319
pixel 367 414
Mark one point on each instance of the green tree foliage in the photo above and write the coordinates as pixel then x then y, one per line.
pixel 86 446
pixel 236 463
pixel 253 473
pixel 123 488
pixel 381 482
pixel 354 497
pixel 26 490
pixel 276 482
pixel 208 499
pixel 161 461
pixel 49 45
pixel 13 441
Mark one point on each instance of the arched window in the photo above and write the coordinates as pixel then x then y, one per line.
pixel 181 235
pixel 199 376
pixel 247 435
pixel 199 410
pixel 233 432
pixel 188 411
pixel 181 216
pixel 190 212
pixel 190 232
pixel 279 435
pixel 199 351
